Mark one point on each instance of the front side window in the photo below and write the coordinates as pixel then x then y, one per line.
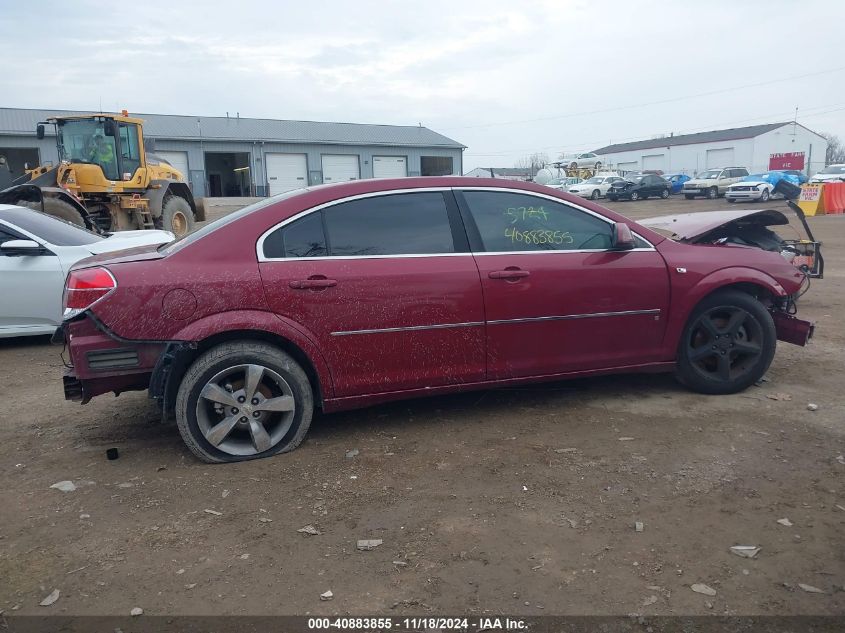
pixel 518 222
pixel 129 152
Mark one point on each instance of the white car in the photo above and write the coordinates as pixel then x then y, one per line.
pixel 36 252
pixel 595 187
pixel 831 173
pixel 590 160
pixel 758 190
pixel 562 184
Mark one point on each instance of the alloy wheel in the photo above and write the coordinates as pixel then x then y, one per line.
pixel 245 409
pixel 725 343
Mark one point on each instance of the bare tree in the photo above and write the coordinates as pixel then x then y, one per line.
pixel 835 150
pixel 533 163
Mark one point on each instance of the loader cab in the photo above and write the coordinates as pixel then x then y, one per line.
pixel 112 144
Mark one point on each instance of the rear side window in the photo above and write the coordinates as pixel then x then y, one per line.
pixel 519 222
pixel 399 224
pixel 302 238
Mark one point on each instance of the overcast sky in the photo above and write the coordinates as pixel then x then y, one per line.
pixel 504 78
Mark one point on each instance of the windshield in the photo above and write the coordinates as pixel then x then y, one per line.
pixel 710 173
pixel 833 169
pixel 595 180
pixel 85 141
pixel 48 228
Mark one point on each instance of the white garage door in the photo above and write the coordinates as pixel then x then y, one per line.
pixel 625 167
pixel 390 167
pixel 654 161
pixel 178 159
pixel 285 172
pixel 340 168
pixel 720 157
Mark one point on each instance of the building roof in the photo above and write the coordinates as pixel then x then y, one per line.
pixel 21 121
pixel 715 136
pixel 508 171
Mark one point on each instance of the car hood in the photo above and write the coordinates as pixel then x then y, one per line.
pixel 689 226
pixel 701 181
pixel 825 177
pixel 130 239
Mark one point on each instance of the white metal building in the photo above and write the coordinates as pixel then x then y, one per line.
pixel 757 147
pixel 234 156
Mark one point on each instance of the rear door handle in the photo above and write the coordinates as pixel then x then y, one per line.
pixel 509 273
pixel 313 283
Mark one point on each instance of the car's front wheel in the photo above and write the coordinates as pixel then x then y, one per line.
pixel 595 195
pixel 243 400
pixel 727 344
pixel 611 198
pixel 713 193
pixel 664 194
pixel 764 197
pixel 634 196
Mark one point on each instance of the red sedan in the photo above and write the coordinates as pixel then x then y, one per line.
pixel 343 296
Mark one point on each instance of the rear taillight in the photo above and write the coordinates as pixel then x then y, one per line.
pixel 84 288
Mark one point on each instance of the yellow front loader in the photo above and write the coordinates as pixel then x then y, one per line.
pixel 106 180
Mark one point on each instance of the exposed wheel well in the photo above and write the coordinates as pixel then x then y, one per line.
pixel 185 355
pixel 761 293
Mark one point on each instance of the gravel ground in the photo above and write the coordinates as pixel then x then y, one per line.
pixel 520 500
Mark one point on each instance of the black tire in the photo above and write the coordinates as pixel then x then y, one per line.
pixel 712 193
pixel 688 196
pixel 598 165
pixel 612 198
pixel 57 208
pixel 634 196
pixel 664 194
pixel 193 416
pixel 727 344
pixel 176 216
pixel 595 195
pixel 764 197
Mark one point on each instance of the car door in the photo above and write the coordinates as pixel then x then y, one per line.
pixel 386 287
pixel 556 298
pixel 31 287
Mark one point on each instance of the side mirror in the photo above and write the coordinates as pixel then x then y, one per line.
pixel 39 131
pixel 20 248
pixel 622 238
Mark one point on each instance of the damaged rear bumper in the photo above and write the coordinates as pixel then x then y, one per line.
pixel 793 330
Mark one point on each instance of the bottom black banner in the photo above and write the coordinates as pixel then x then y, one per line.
pixel 423 624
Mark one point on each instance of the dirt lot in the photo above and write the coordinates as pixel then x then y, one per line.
pixel 513 501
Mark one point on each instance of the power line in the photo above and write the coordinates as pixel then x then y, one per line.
pixel 646 104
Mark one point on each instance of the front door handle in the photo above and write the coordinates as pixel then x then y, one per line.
pixel 509 273
pixel 317 282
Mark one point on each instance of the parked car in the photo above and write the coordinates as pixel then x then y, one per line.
pixel 676 182
pixel 586 160
pixel 831 173
pixel 36 253
pixel 595 187
pixel 638 187
pixel 713 183
pixel 758 187
pixel 563 183
pixel 346 295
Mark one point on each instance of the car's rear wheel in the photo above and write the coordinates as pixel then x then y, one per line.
pixel 764 197
pixel 712 193
pixel 243 400
pixel 634 196
pixel 598 165
pixel 688 196
pixel 595 195
pixel 664 194
pixel 727 344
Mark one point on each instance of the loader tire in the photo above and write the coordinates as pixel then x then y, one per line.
pixel 176 216
pixel 57 208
